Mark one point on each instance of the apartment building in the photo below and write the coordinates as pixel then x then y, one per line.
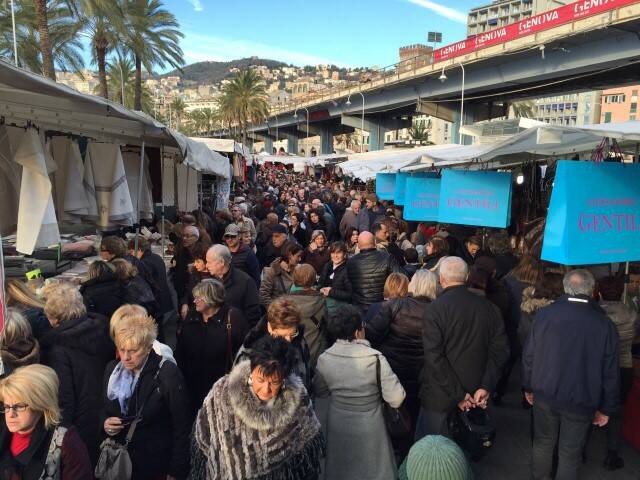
pixel 619 104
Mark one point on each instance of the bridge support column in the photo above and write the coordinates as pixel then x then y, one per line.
pixel 377 125
pixel 326 140
pixel 469 118
pixel 292 142
pixel 268 144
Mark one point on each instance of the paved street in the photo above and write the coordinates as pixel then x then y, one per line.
pixel 510 457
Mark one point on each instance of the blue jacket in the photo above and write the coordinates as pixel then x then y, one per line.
pixel 570 359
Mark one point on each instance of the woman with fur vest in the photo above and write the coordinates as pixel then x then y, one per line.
pixel 258 422
pixel 543 293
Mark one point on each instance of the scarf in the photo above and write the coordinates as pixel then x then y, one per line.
pixel 237 436
pixel 122 383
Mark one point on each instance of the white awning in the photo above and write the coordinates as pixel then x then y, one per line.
pixel 227 145
pixel 319 160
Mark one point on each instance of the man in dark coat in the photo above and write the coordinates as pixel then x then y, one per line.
pixel 243 257
pixel 465 348
pixel 370 214
pixel 368 270
pixel 155 273
pixel 275 247
pixel 241 291
pixel 570 375
pixel 78 348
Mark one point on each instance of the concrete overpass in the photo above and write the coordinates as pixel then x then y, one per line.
pixel 586 45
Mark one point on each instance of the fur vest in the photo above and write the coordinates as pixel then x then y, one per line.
pixel 238 436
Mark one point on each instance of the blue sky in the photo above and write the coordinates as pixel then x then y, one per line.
pixel 343 32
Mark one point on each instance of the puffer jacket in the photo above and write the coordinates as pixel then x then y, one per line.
pixel 396 331
pixel 528 309
pixel 367 272
pixel 276 282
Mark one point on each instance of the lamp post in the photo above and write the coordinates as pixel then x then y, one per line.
pixel 277 138
pixel 13 23
pixel 348 102
pixel 121 80
pixel 295 115
pixel 443 78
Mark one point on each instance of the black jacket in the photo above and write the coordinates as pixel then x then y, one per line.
pixel 160 445
pixel 317 258
pixel 430 261
pixel 202 350
pixel 137 291
pixel 340 284
pixel 102 295
pixel 157 278
pixel 465 348
pixel 183 258
pixel 78 350
pixel 367 272
pixel 570 359
pixel 244 259
pixel 241 293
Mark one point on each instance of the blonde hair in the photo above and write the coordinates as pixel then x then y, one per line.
pixel 16 328
pixel 396 286
pixel 37 386
pixel 19 293
pixel 130 326
pixel 64 302
pixel 211 291
pixel 125 270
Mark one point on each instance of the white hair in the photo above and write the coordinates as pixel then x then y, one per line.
pixel 454 270
pixel 192 230
pixel 221 253
pixel 354 202
pixel 424 284
pixel 579 282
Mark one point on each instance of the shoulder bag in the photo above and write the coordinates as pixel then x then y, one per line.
pixel 397 420
pixel 114 462
pixel 229 357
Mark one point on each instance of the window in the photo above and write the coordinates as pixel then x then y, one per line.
pixel 619 98
pixel 607 117
pixel 634 108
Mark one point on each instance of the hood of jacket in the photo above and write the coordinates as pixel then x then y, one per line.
pixel 309 302
pixel 20 353
pixel 87 333
pixel 106 277
pixel 531 305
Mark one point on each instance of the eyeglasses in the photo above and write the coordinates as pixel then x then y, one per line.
pixel 198 300
pixel 18 407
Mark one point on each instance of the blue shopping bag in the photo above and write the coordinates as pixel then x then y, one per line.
pixel 385 185
pixel 401 184
pixel 594 214
pixel 422 200
pixel 475 198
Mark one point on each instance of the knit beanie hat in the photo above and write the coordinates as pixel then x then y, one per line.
pixel 435 458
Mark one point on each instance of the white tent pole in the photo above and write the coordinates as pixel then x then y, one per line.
pixel 162 198
pixel 186 192
pixel 626 265
pixel 140 176
pixel 13 23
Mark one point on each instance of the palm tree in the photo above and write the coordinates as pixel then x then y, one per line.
pixel 244 99
pixel 46 49
pixel 101 25
pixel 177 110
pixel 153 37
pixel 120 74
pixel 63 34
pixel 523 109
pixel 419 131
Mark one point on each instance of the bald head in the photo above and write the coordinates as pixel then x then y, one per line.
pixel 366 240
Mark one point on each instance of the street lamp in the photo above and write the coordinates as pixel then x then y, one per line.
pixel 121 80
pixel 295 115
pixel 348 102
pixel 277 138
pixel 443 78
pixel 13 23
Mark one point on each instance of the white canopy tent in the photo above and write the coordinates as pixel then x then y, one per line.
pixel 227 145
pixel 542 140
pixel 30 100
pixel 319 160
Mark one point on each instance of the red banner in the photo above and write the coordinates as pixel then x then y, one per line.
pixel 543 21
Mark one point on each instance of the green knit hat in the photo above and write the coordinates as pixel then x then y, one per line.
pixel 435 458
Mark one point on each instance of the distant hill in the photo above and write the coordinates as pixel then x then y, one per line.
pixel 214 72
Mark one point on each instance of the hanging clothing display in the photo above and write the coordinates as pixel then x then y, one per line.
pixel 223 187
pixel 131 161
pixel 37 224
pixel 70 197
pixel 106 186
pixel 10 177
pixel 187 188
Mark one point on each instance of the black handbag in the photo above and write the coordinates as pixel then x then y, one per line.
pixel 397 420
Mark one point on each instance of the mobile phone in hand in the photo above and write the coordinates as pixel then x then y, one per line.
pixel 127 420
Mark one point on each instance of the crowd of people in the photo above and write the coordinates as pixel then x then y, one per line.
pixel 309 332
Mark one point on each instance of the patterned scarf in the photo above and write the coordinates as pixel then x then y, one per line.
pixel 237 436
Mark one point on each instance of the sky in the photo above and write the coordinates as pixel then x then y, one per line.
pixel 349 33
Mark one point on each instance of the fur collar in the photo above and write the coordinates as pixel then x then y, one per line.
pixel 255 413
pixel 531 305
